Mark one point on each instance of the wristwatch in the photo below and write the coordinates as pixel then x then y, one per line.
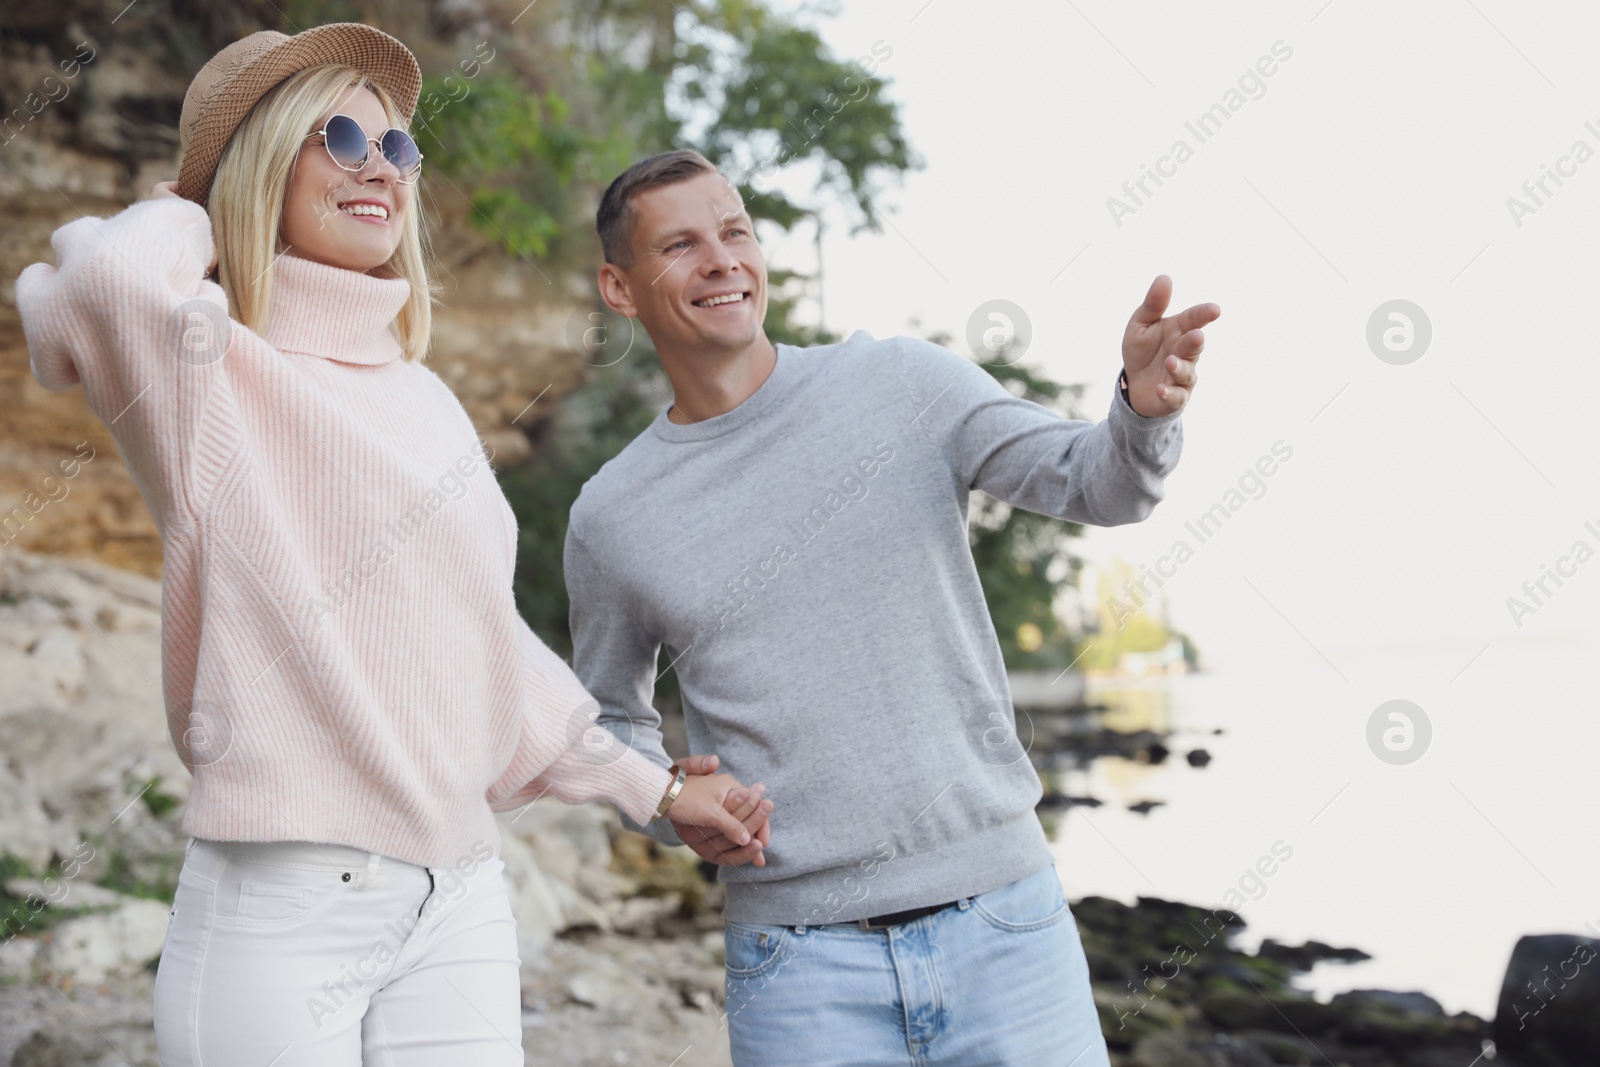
pixel 679 776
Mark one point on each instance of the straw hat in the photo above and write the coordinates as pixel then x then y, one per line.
pixel 234 79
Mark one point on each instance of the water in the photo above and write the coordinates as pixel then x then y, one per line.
pixel 1434 868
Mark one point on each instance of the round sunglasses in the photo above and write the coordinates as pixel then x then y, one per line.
pixel 347 142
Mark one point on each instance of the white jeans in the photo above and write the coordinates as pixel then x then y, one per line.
pixel 315 955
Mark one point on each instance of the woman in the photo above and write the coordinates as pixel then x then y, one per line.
pixel 344 667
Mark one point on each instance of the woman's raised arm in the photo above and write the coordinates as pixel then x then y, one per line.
pixel 127 312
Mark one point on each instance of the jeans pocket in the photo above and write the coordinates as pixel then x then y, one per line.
pixel 1033 902
pixel 260 897
pixel 273 902
pixel 753 949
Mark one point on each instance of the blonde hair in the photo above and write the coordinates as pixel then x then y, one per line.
pixel 251 186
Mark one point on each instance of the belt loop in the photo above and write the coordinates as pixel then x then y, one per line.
pixel 369 877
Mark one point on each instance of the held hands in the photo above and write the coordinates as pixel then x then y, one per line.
pixel 1160 354
pixel 720 819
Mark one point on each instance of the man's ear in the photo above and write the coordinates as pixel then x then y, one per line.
pixel 615 291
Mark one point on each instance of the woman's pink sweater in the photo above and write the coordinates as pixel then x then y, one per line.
pixel 342 656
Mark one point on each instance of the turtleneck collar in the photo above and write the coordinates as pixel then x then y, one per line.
pixel 332 312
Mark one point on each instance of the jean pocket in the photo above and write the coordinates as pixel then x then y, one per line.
pixel 271 903
pixel 754 949
pixel 1030 903
pixel 258 897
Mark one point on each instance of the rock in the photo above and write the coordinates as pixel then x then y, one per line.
pixel 93 946
pixel 1177 1049
pixel 1393 1020
pixel 1304 957
pixel 1548 1014
pixel 16 959
pixel 605 985
pixel 1128 1015
pixel 1416 1003
pixel 1058 800
pixel 1232 1008
pixel 26 831
pixel 59 1049
pixel 1198 757
pixel 58 660
pixel 534 902
pixel 568 839
pixel 646 916
pixel 64 893
pixel 569 847
pixel 22 622
pixel 1078 748
pixel 71 777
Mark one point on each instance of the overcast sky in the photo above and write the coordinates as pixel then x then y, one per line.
pixel 1374 164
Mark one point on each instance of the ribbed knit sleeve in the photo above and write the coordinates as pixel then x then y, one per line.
pixel 563 750
pixel 127 312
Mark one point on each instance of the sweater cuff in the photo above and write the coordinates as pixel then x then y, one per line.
pixel 632 782
pixel 1123 410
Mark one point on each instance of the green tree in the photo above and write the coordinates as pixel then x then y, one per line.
pixel 1024 559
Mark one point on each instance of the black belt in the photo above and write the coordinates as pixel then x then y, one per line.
pixel 895 918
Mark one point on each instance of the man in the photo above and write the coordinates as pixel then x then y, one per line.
pixel 793 532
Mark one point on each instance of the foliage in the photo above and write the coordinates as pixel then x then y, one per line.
pixel 157 802
pixel 514 154
pixel 600 418
pixel 1022 557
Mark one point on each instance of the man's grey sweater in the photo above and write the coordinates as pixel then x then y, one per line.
pixel 804 561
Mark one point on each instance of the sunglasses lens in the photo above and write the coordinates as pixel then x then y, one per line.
pixel 401 150
pixel 347 142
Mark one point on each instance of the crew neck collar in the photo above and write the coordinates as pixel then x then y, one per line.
pixel 748 410
pixel 332 312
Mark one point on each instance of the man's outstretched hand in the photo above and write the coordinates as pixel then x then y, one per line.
pixel 744 807
pixel 1160 354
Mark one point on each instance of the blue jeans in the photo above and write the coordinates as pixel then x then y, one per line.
pixel 998 979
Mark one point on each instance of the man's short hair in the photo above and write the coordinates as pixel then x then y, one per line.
pixel 615 217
